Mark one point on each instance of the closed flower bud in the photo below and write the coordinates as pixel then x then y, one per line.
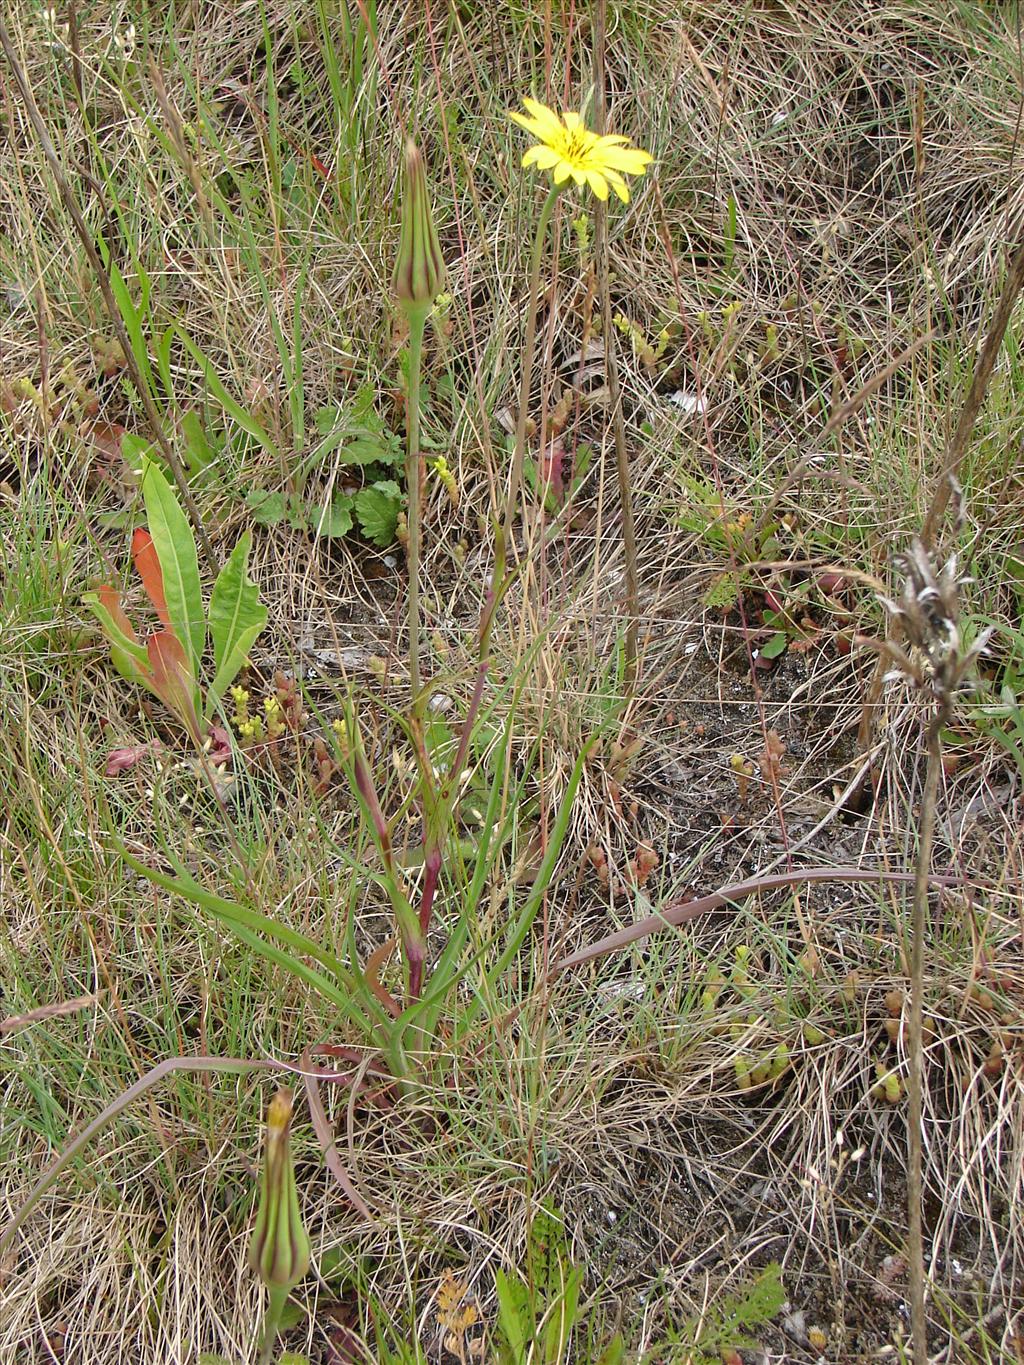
pixel 419 270
pixel 279 1250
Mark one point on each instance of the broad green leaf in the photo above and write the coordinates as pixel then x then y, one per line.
pixel 513 1313
pixel 377 509
pixel 364 408
pixel 199 453
pixel 364 450
pixel 134 449
pixel 236 618
pixel 267 509
pixel 176 550
pixel 335 520
pixel 329 419
pixel 775 646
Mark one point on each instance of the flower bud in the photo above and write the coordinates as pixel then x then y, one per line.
pixel 419 270
pixel 279 1250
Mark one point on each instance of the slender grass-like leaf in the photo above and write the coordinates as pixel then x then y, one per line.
pixel 343 987
pixel 117 1106
pixel 241 416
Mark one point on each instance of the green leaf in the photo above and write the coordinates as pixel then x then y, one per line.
pixel 613 1352
pixel 364 408
pixel 179 563
pixel 342 987
pixel 776 646
pixel 134 450
pixel 329 419
pixel 297 513
pixel 291 1315
pixel 128 656
pixel 199 453
pixel 162 350
pixel 268 509
pixel 722 592
pixel 335 520
pixel 236 618
pixel 132 318
pixel 377 509
pixel 513 1313
pixel 364 450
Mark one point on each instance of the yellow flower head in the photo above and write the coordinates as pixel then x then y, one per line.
pixel 565 147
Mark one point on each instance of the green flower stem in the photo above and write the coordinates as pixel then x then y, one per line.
pixel 417 316
pixel 529 347
pixel 272 1323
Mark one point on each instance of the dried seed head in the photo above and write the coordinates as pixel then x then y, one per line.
pixel 928 614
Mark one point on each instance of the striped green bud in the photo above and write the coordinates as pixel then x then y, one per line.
pixel 279 1250
pixel 419 269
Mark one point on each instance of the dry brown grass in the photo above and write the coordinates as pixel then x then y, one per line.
pixel 871 151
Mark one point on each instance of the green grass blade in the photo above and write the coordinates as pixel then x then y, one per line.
pixel 342 987
pixel 231 406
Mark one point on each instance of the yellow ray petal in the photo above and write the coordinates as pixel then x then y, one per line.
pixel 629 159
pixel 598 184
pixel 543 115
pixel 543 157
pixel 562 171
pixel 572 120
pixel 618 185
pixel 532 126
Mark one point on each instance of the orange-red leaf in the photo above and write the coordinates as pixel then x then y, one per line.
pixel 110 599
pixel 148 566
pixel 172 679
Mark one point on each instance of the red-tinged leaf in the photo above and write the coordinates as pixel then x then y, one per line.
pixel 311 157
pixel 119 760
pixel 110 600
pixel 106 437
pixel 172 679
pixel 110 464
pixel 148 565
pixel 344 1344
pixel 220 746
pixel 319 165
